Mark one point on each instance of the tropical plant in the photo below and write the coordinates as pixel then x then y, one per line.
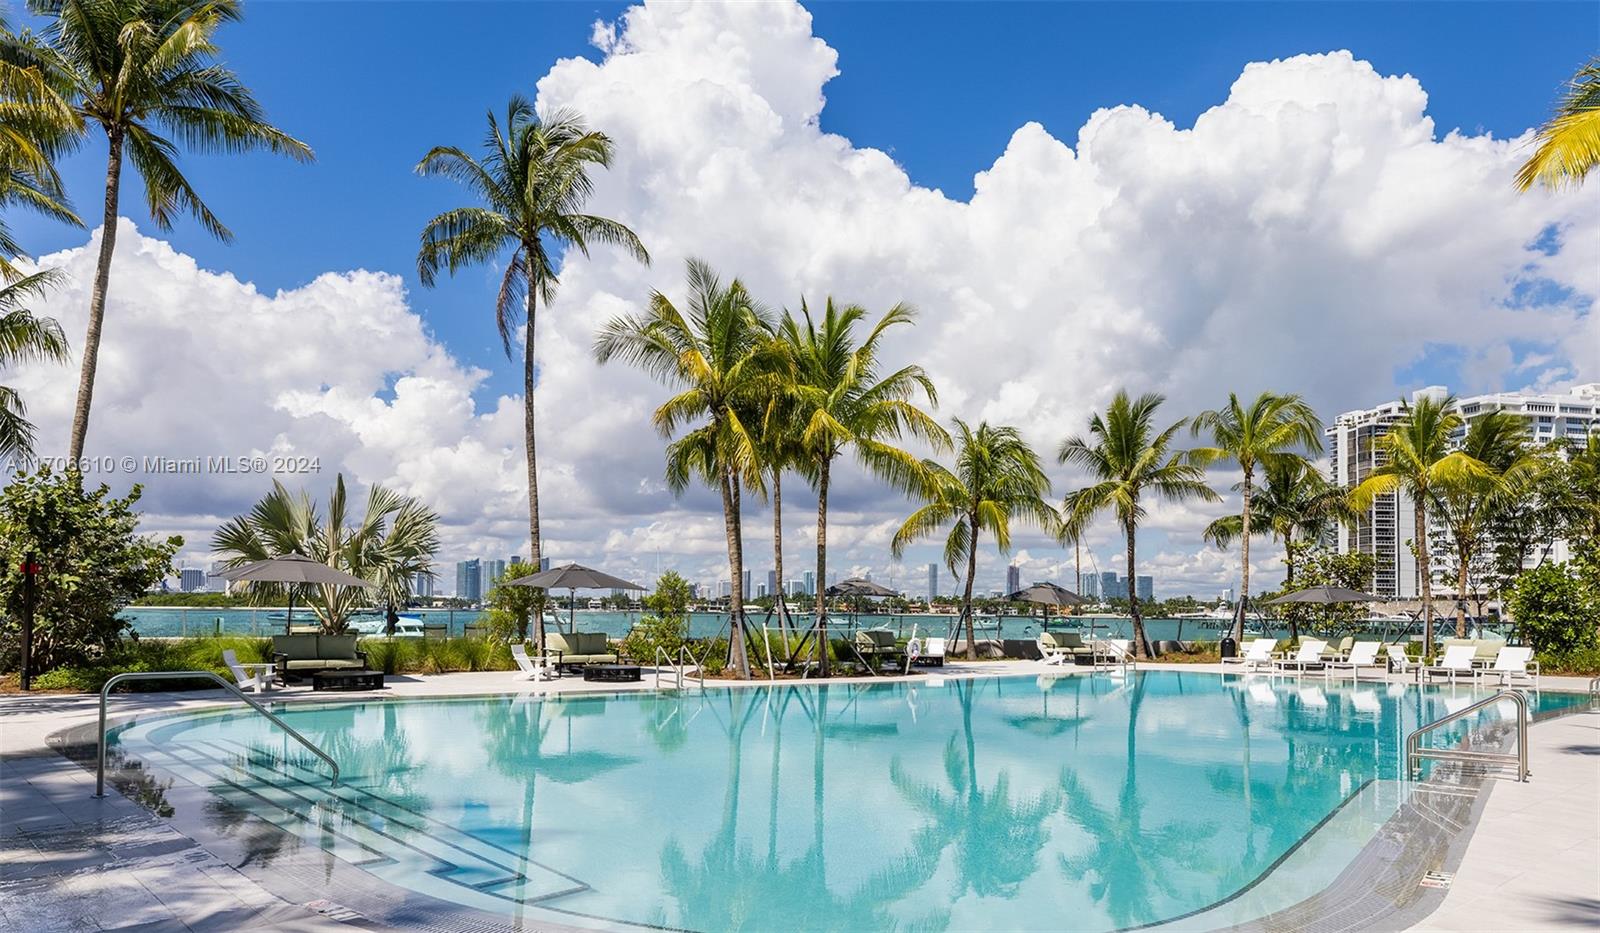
pixel 1569 142
pixel 393 540
pixel 89 563
pixel 1419 462
pixel 1267 433
pixel 720 355
pixel 779 450
pixel 24 338
pixel 844 404
pixel 139 69
pixel 1522 527
pixel 1295 503
pixel 36 126
pixel 1579 495
pixel 1128 459
pixel 997 478
pixel 532 182
pixel 1463 503
pixel 510 607
pixel 1555 610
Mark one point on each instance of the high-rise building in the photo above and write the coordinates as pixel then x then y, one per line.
pixel 544 564
pixel 1091 587
pixel 1145 587
pixel 1386 529
pixel 422 585
pixel 1227 595
pixel 469 580
pixel 810 578
pixel 744 581
pixel 493 570
pixel 1108 586
pixel 772 582
pixel 1013 578
pixel 191 579
pixel 761 590
pixel 933 582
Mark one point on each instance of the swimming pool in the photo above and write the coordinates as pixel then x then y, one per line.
pixel 1089 802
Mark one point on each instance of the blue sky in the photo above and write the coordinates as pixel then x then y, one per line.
pixel 939 86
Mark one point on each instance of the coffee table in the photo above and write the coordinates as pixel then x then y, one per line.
pixel 347 680
pixel 611 673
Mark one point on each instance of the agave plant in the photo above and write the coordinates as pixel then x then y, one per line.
pixel 394 539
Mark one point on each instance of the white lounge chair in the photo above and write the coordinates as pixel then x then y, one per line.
pixel 1257 654
pixel 1362 654
pixel 1511 664
pixel 925 651
pixel 255 677
pixel 534 668
pixel 1113 650
pixel 1399 661
pixel 1457 662
pixel 1309 655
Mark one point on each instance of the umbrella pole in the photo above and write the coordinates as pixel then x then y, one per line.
pixel 572 610
pixel 288 624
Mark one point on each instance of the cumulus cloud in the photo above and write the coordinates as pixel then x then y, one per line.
pixel 1315 231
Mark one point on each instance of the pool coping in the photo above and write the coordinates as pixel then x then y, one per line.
pixel 375 900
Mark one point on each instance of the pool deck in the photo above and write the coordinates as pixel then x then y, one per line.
pixel 69 861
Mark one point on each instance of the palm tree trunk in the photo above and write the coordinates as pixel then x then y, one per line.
pixel 533 462
pixel 777 555
pixel 1244 553
pixel 820 607
pixel 97 297
pixel 1141 648
pixel 1288 586
pixel 966 595
pixel 1464 551
pixel 1425 566
pixel 730 509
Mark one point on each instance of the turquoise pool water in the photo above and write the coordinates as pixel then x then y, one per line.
pixel 1086 802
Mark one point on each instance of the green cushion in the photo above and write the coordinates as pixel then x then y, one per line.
pixel 554 641
pixel 591 643
pixel 336 647
pixel 311 664
pixel 297 647
pixel 588 659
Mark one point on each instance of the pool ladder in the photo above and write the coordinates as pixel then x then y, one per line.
pixel 1416 751
pixel 663 660
pixel 105 692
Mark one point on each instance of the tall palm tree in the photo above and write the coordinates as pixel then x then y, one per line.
pixel 24 338
pixel 779 451
pixel 1294 503
pixel 845 405
pixel 720 355
pixel 1267 432
pixel 1128 459
pixel 1569 142
pixel 1463 504
pixel 394 538
pixel 147 73
pixel 533 181
pixel 36 125
pixel 1419 462
pixel 997 478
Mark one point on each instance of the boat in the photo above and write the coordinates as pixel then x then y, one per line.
pixel 407 626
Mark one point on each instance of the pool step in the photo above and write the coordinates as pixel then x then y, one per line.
pixel 456 857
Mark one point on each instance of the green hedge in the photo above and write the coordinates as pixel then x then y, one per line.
pixel 143 655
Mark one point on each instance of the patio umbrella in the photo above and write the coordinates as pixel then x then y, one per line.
pixel 292 568
pixel 1047 594
pixel 573 577
pixel 860 588
pixel 1324 595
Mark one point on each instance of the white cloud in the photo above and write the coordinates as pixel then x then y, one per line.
pixel 1315 232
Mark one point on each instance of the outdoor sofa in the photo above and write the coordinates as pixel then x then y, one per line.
pixel 304 655
pixel 575 649
pixel 874 644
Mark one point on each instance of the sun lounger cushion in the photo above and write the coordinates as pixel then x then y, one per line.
pixel 580 647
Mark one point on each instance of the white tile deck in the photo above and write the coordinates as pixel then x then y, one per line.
pixel 71 862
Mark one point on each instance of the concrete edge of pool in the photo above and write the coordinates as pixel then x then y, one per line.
pixel 344 892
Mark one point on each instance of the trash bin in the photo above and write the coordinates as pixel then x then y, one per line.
pixel 1229 647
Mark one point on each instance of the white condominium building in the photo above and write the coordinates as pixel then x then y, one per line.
pixel 1386 528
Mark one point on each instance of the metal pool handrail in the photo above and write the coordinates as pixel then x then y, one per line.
pixel 1416 751
pixel 683 650
pixel 100 760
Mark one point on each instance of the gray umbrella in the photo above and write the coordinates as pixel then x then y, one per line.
pixel 858 586
pixel 573 577
pixel 1047 594
pixel 1324 595
pixel 292 568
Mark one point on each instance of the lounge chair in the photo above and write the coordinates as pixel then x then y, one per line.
pixel 1510 664
pixel 1340 653
pixel 1257 654
pixel 1399 661
pixel 926 651
pixel 1487 653
pixel 1061 647
pixel 1112 651
pixel 1457 662
pixel 256 677
pixel 1309 656
pixel 535 668
pixel 1362 654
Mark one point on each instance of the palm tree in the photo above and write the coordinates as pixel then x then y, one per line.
pixel 720 354
pixel 1463 504
pixel 1128 458
pixel 147 73
pixel 24 338
pixel 1569 142
pixel 533 181
pixel 845 405
pixel 779 450
pixel 395 538
pixel 36 125
pixel 1419 462
pixel 997 478
pixel 1265 434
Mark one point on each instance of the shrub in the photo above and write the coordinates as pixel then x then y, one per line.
pixel 1579 662
pixel 650 633
pixel 1554 610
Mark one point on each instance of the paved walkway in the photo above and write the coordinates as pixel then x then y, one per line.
pixel 71 862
